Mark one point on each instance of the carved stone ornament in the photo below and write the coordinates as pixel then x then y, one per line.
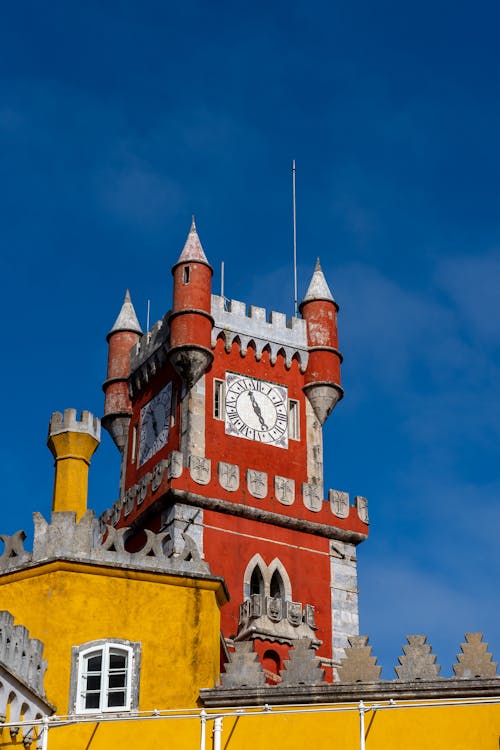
pixel 13 547
pixel 358 664
pixel 229 476
pixel 309 616
pixel 130 496
pixel 116 512
pixel 143 485
pixel 475 661
pixel 256 605
pixel 257 483
pixel 339 503
pixel 274 607
pixel 294 613
pixel 200 469
pixel 361 504
pixel 284 490
pixel 312 497
pixel 244 611
pixel 175 465
pixel 158 473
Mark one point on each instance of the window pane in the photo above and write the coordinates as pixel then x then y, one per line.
pixel 92 700
pixel 94 682
pixel 117 680
pixel 116 699
pixel 94 663
pixel 117 661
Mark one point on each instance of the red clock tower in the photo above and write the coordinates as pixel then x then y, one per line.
pixel 224 414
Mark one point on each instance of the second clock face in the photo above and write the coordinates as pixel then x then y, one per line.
pixel 256 410
pixel 155 424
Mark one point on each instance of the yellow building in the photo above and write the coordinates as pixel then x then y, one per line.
pixel 110 636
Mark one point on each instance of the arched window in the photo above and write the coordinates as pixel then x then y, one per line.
pixel 256 582
pixel 107 676
pixel 276 587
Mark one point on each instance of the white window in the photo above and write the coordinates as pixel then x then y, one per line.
pixel 219 399
pixel 293 419
pixel 105 676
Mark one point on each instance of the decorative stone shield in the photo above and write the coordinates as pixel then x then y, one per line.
pixel 284 490
pixel 229 476
pixel 175 465
pixel 294 613
pixel 312 497
pixel 274 607
pixel 257 483
pixel 361 504
pixel 200 469
pixel 339 503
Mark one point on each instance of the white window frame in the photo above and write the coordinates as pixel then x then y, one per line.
pixel 220 392
pixel 293 419
pixel 106 648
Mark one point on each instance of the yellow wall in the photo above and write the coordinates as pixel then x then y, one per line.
pixel 175 619
pixel 437 728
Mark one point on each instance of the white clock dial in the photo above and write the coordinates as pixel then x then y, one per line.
pixel 256 410
pixel 155 424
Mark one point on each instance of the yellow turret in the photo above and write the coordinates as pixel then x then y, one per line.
pixel 72 442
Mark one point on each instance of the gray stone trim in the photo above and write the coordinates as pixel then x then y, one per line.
pixel 259 484
pixel 65 539
pixel 350 693
pixel 135 670
pixel 265 516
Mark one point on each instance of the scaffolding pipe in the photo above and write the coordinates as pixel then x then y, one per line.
pixel 217 732
pixel 45 733
pixel 361 709
pixel 203 729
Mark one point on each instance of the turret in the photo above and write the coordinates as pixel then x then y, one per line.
pixel 123 336
pixel 72 442
pixel 191 320
pixel 322 377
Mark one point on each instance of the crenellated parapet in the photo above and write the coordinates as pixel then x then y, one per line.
pixel 276 619
pixel 83 541
pixel 231 480
pixel 276 334
pixel 357 675
pixel 87 424
pixel 22 655
pixel 149 354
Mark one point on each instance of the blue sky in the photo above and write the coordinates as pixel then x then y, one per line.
pixel 119 120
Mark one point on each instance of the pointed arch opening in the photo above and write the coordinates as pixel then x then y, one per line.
pixel 276 586
pixel 256 581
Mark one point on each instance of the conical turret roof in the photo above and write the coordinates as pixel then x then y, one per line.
pixel 193 251
pixel 127 319
pixel 318 288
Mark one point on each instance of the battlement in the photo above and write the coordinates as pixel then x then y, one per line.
pixel 81 540
pixel 22 655
pixel 68 422
pixel 149 343
pixel 232 322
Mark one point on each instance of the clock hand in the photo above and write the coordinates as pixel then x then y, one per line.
pixel 257 410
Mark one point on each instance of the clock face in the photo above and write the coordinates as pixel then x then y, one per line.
pixel 256 410
pixel 155 424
